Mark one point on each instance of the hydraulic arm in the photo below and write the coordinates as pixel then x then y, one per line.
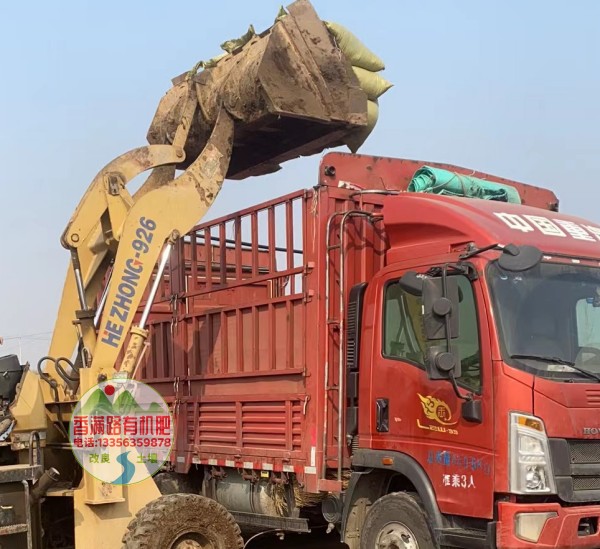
pixel 140 227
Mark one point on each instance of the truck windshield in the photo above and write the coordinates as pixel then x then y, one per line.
pixel 549 318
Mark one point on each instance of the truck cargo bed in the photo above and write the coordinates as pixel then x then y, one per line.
pixel 241 339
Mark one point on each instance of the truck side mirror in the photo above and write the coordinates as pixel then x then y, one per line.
pixel 519 258
pixel 440 304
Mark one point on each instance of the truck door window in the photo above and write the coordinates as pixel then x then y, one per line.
pixel 404 338
pixel 403 328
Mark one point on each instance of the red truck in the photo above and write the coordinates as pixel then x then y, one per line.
pixel 412 370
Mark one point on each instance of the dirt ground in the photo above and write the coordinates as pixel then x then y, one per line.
pixel 291 541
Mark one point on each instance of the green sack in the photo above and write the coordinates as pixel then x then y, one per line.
pixel 444 182
pixel 371 83
pixel 355 140
pixel 356 52
pixel 235 43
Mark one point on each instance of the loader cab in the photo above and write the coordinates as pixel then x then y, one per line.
pixel 11 374
pixel 11 371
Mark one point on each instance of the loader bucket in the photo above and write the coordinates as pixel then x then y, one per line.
pixel 290 89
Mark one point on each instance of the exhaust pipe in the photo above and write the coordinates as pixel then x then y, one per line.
pixel 47 480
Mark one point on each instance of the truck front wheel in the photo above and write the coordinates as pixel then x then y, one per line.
pixel 183 521
pixel 396 521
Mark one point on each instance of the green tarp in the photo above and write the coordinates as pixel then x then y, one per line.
pixel 438 181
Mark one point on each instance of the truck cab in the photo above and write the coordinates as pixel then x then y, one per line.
pixel 480 364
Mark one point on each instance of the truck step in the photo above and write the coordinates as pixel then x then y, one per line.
pixel 252 520
pixel 17 473
pixel 465 538
pixel 13 529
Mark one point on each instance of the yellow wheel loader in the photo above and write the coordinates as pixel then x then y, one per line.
pixel 273 96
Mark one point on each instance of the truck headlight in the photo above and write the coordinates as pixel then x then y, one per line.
pixel 530 465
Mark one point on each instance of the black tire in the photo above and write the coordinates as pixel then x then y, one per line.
pixel 396 521
pixel 170 521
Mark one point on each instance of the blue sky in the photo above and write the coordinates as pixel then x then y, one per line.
pixel 509 87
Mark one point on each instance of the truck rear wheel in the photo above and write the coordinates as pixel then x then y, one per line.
pixel 396 521
pixel 183 521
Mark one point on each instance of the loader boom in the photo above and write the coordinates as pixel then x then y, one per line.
pixel 113 229
pixel 131 233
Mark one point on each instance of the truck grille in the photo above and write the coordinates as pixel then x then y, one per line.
pixel 586 483
pixel 582 451
pixel 576 465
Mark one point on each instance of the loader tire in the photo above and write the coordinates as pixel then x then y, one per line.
pixel 183 521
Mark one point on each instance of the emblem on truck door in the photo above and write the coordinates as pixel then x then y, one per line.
pixel 436 410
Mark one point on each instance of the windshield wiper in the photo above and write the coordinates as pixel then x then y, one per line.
pixel 557 360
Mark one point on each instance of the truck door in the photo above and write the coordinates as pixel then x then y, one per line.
pixel 413 414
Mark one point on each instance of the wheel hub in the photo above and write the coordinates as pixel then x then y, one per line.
pixel 188 544
pixel 193 541
pixel 396 535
